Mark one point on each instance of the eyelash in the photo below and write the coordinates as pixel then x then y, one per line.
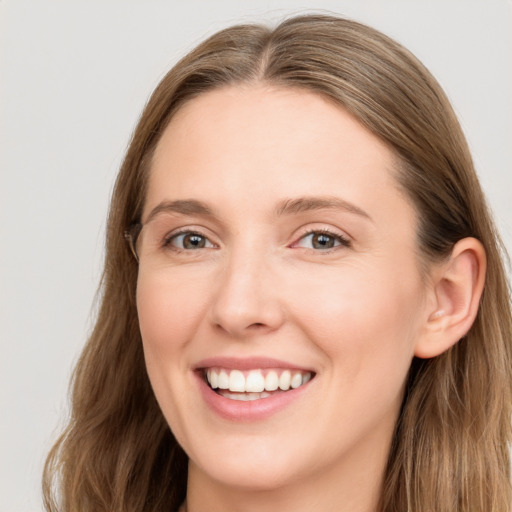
pixel 167 243
pixel 342 241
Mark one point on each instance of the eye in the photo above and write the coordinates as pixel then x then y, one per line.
pixel 188 240
pixel 322 240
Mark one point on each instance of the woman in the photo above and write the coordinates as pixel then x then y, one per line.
pixel 299 318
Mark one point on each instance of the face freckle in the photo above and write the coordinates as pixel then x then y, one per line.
pixel 256 174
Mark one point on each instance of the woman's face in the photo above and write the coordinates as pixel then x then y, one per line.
pixel 277 251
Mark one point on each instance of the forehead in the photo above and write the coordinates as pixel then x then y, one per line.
pixel 263 116
pixel 262 142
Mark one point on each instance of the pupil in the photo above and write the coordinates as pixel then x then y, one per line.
pixel 322 241
pixel 193 242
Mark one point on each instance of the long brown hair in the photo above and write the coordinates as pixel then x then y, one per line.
pixel 450 449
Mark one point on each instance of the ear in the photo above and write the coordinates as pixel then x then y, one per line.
pixel 457 286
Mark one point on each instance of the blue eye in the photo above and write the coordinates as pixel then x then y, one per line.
pixel 321 240
pixel 189 241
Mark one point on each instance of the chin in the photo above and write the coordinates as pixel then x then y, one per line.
pixel 257 467
pixel 248 476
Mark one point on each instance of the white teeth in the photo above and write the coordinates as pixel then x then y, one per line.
pixel 284 380
pixel 223 381
pixel 213 379
pixel 245 397
pixel 254 384
pixel 236 381
pixel 296 380
pixel 271 381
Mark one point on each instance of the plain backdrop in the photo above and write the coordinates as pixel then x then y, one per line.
pixel 74 78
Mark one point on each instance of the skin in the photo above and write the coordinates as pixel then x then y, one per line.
pixel 354 314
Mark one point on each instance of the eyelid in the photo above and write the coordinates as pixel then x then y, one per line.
pixel 168 238
pixel 343 238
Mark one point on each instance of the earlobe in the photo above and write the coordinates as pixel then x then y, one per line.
pixel 457 287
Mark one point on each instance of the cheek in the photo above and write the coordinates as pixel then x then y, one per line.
pixel 366 322
pixel 364 304
pixel 168 311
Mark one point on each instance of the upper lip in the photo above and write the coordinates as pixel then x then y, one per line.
pixel 247 363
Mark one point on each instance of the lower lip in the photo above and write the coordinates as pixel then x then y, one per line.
pixel 252 410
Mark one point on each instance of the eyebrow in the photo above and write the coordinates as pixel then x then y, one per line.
pixel 181 206
pixel 312 203
pixel 285 207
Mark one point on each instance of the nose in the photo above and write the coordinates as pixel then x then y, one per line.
pixel 247 299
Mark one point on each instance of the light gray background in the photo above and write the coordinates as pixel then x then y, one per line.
pixel 74 78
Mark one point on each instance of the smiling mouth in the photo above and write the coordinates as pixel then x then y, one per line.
pixel 254 384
